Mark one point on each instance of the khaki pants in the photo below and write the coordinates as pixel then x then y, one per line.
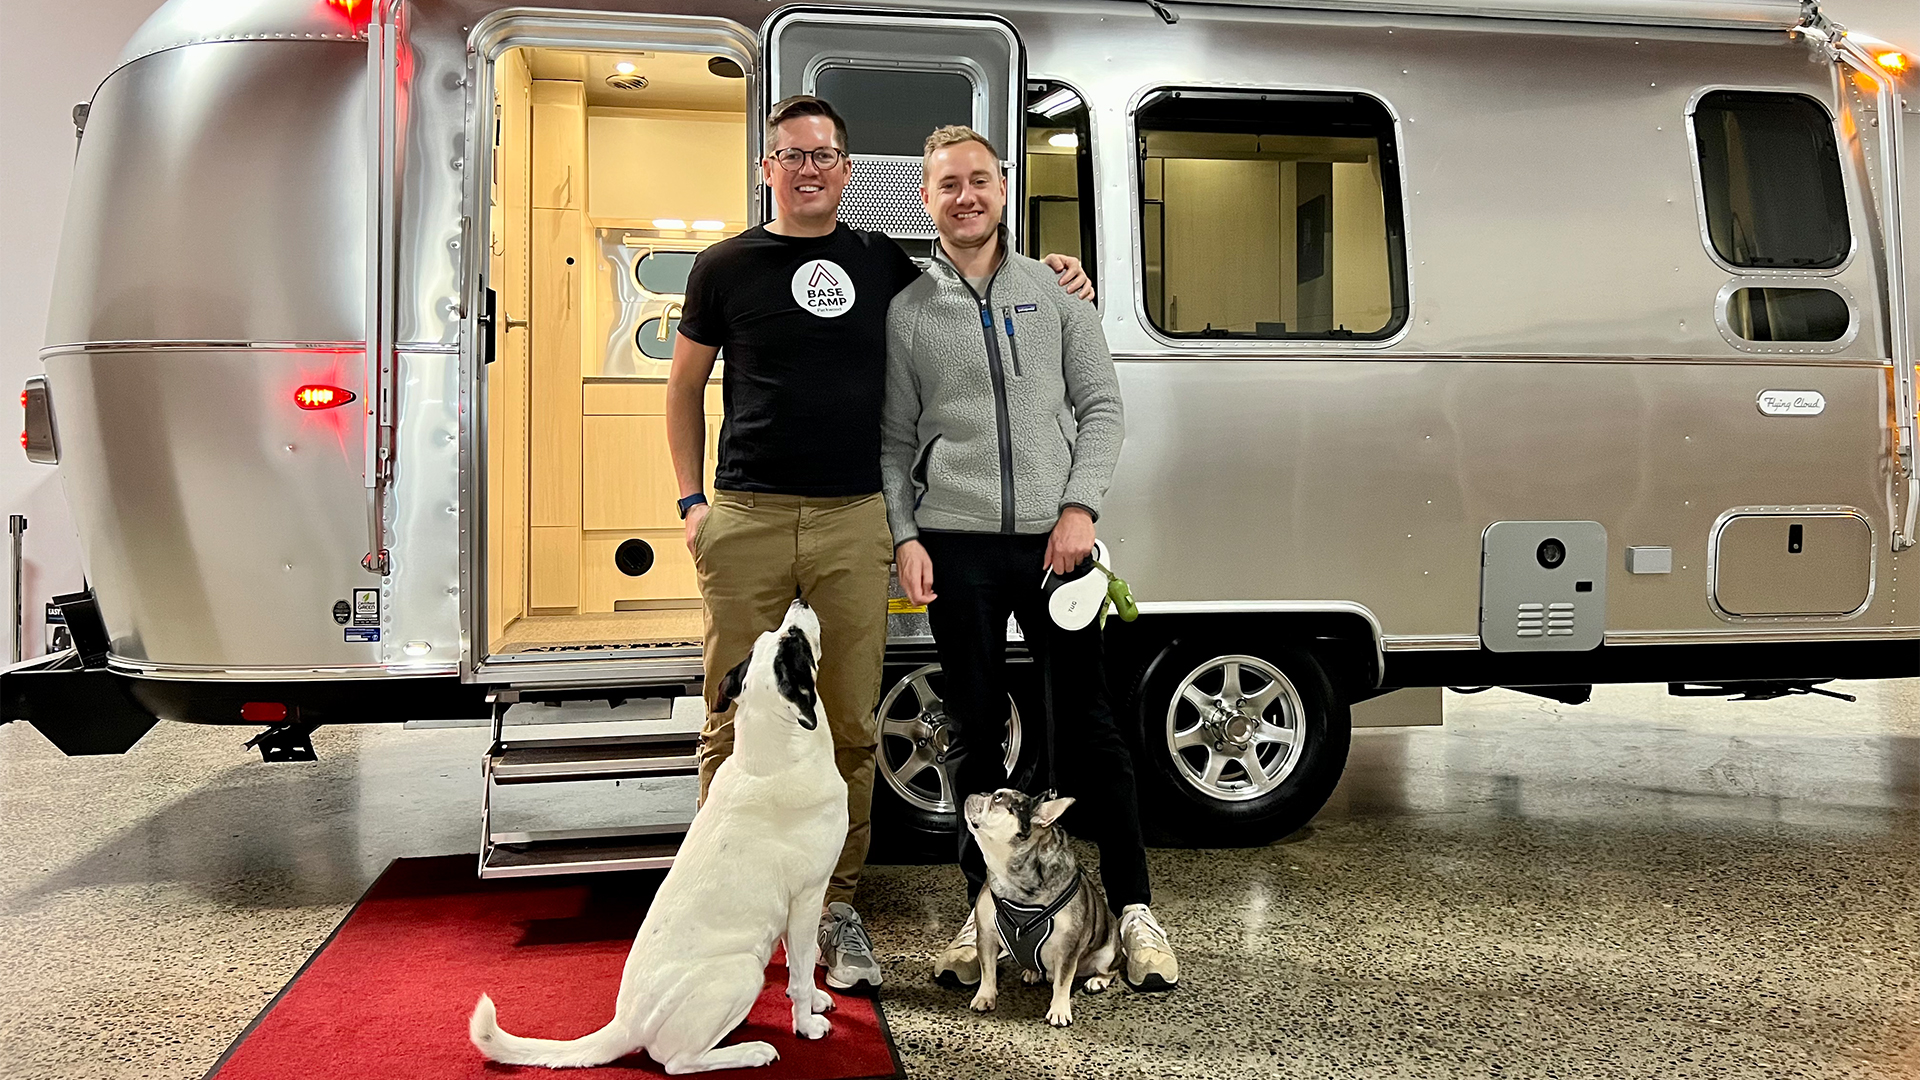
pixel 754 553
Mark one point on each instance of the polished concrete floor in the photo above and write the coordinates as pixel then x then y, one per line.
pixel 1637 887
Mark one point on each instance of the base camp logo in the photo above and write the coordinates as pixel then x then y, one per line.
pixel 823 288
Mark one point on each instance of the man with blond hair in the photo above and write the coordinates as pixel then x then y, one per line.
pixel 1001 430
pixel 799 304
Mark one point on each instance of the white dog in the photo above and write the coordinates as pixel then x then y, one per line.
pixel 753 868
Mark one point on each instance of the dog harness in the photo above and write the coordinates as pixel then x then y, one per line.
pixel 1025 928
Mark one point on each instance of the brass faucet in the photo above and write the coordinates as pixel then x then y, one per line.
pixel 672 311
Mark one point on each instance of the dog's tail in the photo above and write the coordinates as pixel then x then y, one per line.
pixel 600 1047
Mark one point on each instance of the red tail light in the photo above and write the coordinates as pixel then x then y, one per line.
pixel 358 12
pixel 263 712
pixel 321 397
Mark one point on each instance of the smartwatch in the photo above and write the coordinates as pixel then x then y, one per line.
pixel 696 499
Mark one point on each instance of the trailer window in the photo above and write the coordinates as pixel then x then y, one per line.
pixel 1270 215
pixel 1059 169
pixel 1770 181
pixel 1788 314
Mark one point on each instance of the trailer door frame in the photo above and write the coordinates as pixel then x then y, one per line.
pixel 491 38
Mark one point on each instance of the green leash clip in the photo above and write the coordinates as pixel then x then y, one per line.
pixel 1119 595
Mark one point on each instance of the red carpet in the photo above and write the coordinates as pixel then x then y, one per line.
pixel 388 996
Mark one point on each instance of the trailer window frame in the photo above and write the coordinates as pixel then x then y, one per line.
pixel 1086 177
pixel 1395 210
pixel 1694 102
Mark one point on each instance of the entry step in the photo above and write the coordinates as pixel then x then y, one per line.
pixel 612 757
pixel 580 851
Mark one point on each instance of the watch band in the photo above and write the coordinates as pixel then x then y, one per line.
pixel 691 501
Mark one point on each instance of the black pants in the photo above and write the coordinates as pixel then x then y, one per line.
pixel 979 579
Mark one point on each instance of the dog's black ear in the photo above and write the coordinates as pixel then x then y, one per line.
pixel 793 673
pixel 731 684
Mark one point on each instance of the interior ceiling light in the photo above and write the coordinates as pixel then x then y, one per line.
pixel 1063 138
pixel 1055 103
pixel 669 223
pixel 625 67
pixel 709 225
pixel 1892 61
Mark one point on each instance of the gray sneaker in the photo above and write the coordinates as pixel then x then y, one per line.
pixel 846 951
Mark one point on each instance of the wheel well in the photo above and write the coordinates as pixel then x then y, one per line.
pixel 1342 641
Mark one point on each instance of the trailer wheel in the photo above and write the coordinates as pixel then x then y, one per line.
pixel 1239 746
pixel 915 808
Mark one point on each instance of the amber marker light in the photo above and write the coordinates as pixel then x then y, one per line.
pixel 321 397
pixel 1892 61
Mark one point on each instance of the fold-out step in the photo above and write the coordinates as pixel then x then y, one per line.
pixel 615 758
pixel 580 852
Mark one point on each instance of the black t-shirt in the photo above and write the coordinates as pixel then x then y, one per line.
pixel 803 320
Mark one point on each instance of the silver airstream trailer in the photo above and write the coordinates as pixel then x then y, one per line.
pixel 1529 343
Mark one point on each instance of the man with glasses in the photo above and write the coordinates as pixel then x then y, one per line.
pixel 800 306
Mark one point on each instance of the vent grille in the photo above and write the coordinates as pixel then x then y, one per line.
pixel 884 195
pixel 1544 620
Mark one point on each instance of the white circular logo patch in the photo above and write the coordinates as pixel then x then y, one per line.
pixel 822 287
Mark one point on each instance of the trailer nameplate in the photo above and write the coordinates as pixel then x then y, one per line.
pixel 363 633
pixel 1791 402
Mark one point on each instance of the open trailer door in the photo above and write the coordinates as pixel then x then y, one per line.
pixel 895 77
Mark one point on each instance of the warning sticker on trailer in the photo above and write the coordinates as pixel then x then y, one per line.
pixel 363 633
pixel 366 607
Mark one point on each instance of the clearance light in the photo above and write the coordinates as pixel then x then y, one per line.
pixel 1063 138
pixel 669 223
pixel 321 397
pixel 1892 61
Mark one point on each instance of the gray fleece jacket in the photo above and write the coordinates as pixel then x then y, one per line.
pixel 1002 407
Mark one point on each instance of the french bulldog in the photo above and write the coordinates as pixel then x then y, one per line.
pixel 1037 901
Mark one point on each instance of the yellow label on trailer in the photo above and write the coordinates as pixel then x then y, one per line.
pixel 900 605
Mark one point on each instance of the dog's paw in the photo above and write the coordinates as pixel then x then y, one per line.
pixel 1031 976
pixel 755 1054
pixel 822 1001
pixel 1060 1016
pixel 812 1026
pixel 982 1002
pixel 1097 983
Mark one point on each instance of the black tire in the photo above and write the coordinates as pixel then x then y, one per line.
pixel 1173 803
pixel 906 830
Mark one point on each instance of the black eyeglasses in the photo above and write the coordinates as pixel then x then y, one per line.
pixel 825 158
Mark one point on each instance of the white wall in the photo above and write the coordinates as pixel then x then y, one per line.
pixel 53 54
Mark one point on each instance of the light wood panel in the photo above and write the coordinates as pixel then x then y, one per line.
pixel 559 145
pixel 681 165
pixel 555 475
pixel 506 379
pixel 671 578
pixel 636 398
pixel 555 577
pixel 1223 242
pixel 627 474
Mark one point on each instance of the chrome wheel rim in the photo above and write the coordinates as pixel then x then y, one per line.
pixel 915 737
pixel 1233 728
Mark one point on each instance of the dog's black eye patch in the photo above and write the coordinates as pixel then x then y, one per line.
pixel 730 685
pixel 793 674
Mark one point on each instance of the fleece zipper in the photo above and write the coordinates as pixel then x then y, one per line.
pixel 996 369
pixel 1012 342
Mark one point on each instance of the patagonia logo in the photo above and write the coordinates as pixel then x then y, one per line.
pixel 1019 308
